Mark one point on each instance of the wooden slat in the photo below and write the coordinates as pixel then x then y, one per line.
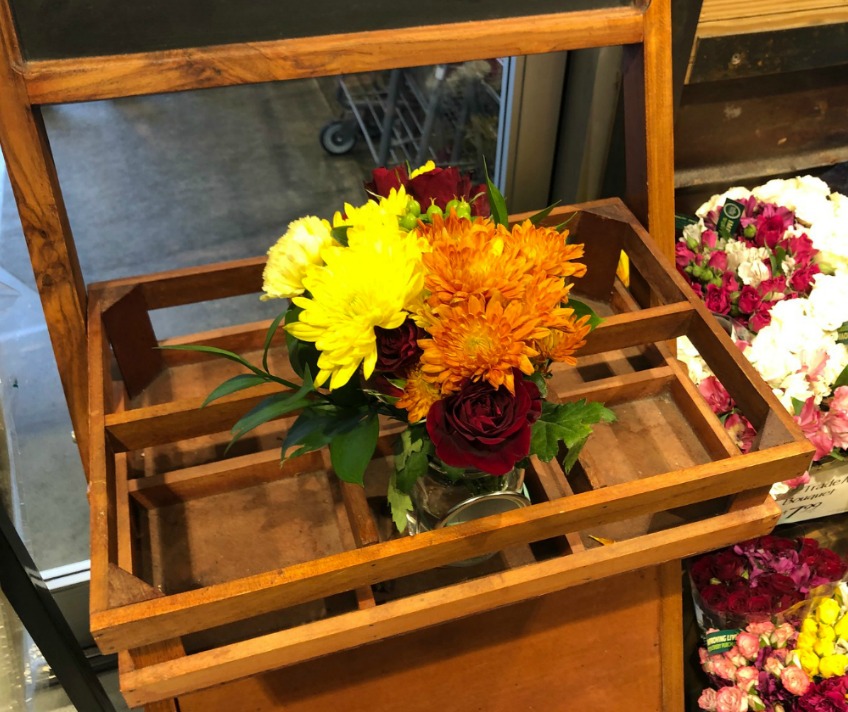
pixel 140 624
pixel 313 640
pixel 727 17
pixel 671 651
pixel 100 466
pixel 615 389
pixel 179 420
pixel 647 326
pixel 222 476
pixel 41 207
pixel 88 79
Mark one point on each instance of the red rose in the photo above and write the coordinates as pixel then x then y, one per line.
pixel 701 571
pixel 749 299
pixel 717 300
pixel 828 565
pixel 775 584
pixel 775 544
pixel 715 596
pixel 738 602
pixel 398 349
pixel 384 179
pixel 485 427
pixel 727 565
pixel 760 603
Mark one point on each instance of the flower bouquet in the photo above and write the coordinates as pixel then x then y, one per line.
pixel 822 645
pixel 753 670
pixel 758 579
pixel 420 306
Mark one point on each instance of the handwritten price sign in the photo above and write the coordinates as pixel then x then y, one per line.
pixel 826 493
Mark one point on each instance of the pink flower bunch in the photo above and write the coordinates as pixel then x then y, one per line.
pixel 744 274
pixel 755 673
pixel 761 577
pixel 737 425
pixel 826 425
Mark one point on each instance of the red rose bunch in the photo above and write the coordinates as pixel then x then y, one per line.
pixel 761 577
pixel 438 186
pixel 830 695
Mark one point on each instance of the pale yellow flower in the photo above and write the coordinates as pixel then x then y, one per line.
pixel 292 255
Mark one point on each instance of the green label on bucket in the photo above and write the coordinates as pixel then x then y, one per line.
pixel 731 213
pixel 720 641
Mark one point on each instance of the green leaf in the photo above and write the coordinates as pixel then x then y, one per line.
pixel 566 423
pixel 541 383
pixel 798 405
pixel 841 379
pixel 270 336
pixel 312 430
pixel 273 407
pixel 582 309
pixel 497 203
pixel 351 451
pixel 340 234
pixel 233 385
pixel 564 224
pixel 412 459
pixel 400 503
pixel 542 214
pixel 572 455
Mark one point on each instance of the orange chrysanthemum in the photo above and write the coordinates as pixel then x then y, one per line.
pixel 470 258
pixel 560 344
pixel 479 340
pixel 545 250
pixel 418 395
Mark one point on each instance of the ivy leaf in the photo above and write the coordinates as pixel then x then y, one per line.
pixel 583 309
pixel 400 503
pixel 352 450
pixel 566 423
pixel 232 385
pixel 412 460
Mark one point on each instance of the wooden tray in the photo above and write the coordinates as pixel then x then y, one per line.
pixel 212 568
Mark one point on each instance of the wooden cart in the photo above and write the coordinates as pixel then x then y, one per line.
pixel 228 584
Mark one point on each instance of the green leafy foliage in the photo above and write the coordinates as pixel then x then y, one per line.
pixel 583 309
pixel 272 407
pixel 541 383
pixel 232 385
pixel 537 218
pixel 412 458
pixel 352 450
pixel 497 203
pixel 400 503
pixel 566 423
pixel 798 405
pixel 339 234
pixel 269 337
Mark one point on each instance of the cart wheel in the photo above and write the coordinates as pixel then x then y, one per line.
pixel 338 137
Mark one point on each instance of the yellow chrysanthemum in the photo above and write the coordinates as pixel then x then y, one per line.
pixel 359 287
pixel 292 255
pixel 418 395
pixel 395 202
pixel 481 341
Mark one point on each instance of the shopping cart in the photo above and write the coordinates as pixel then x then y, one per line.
pixel 414 115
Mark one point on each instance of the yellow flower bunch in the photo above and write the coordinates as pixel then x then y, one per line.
pixel 822 646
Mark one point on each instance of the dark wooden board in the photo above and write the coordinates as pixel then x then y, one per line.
pixel 761 53
pixel 88 28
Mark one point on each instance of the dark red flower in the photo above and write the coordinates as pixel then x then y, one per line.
pixel 728 566
pixel 774 544
pixel 701 571
pixel 485 427
pixel 717 299
pixel 715 596
pixel 738 602
pixel 398 349
pixel 384 179
pixel 826 564
pixel 749 299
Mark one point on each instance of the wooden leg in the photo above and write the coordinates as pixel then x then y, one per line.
pixel 45 224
